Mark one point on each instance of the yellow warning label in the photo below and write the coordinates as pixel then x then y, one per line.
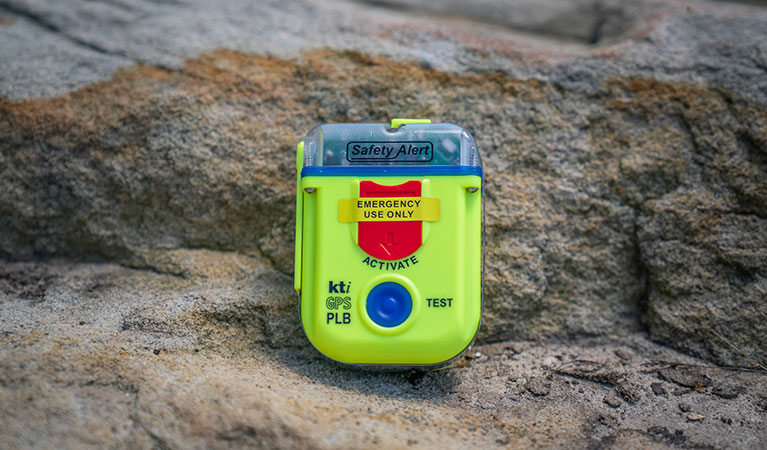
pixel 388 209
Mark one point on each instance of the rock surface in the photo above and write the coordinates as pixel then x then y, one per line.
pixel 625 153
pixel 95 354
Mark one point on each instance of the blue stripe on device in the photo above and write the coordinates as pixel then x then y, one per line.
pixel 390 171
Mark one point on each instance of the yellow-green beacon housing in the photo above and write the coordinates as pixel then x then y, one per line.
pixel 389 242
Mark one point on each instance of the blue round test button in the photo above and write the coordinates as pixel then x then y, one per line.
pixel 389 304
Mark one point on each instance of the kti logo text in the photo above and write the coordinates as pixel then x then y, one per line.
pixel 340 287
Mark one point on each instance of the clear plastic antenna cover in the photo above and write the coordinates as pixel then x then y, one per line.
pixel 375 144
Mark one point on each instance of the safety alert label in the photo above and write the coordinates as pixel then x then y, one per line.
pixel 388 209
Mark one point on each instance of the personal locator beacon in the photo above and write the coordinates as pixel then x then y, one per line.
pixel 389 241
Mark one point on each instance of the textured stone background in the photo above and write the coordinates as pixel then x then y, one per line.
pixel 146 216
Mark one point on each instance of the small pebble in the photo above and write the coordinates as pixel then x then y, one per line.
pixel 658 389
pixel 726 392
pixel 612 400
pixel 684 407
pixel 693 417
pixel 538 387
pixel 628 391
